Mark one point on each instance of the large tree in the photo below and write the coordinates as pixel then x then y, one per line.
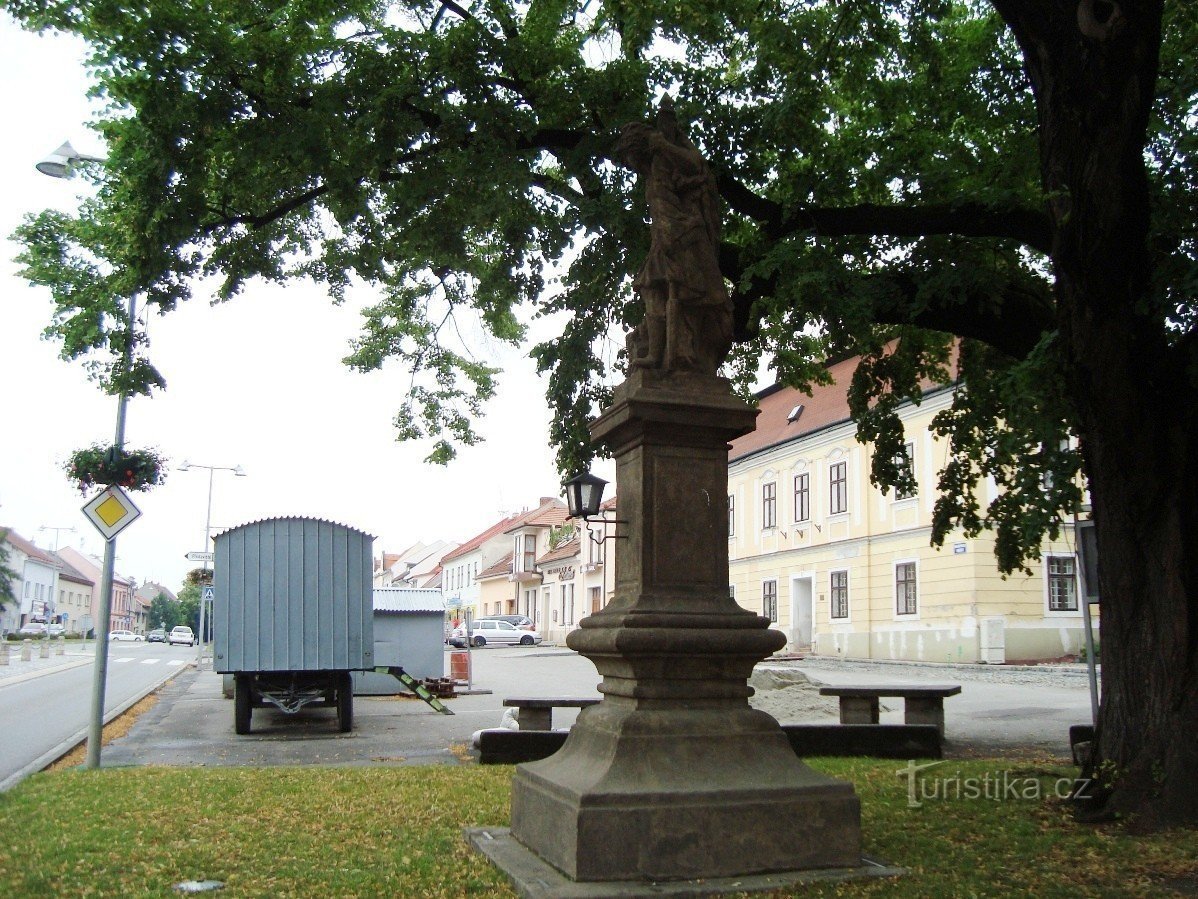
pixel 1018 174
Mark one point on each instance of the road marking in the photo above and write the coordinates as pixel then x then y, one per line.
pixel 149 661
pixel 126 659
pixel 175 662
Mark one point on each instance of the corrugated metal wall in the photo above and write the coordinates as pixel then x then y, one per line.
pixel 293 594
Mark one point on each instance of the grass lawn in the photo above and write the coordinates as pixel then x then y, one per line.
pixel 372 832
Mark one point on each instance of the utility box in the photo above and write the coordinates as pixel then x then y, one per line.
pixel 409 632
pixel 293 614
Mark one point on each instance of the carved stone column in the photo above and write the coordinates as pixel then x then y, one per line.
pixel 673 776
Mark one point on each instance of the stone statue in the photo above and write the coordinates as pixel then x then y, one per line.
pixel 688 313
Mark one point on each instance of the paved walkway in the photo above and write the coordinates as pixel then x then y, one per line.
pixel 75 654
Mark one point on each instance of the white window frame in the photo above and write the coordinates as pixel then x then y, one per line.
pixel 731 515
pixel 848 597
pixel 905 616
pixel 907 497
pixel 1049 611
pixel 806 476
pixel 771 611
pixel 832 492
pixel 770 523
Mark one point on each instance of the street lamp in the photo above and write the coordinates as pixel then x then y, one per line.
pixel 238 471
pixel 60 164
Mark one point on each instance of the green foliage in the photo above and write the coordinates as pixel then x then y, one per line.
pixel 113 467
pixel 880 162
pixel 165 612
pixel 8 577
pixel 189 607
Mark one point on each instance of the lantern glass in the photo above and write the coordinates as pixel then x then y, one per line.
pixel 584 494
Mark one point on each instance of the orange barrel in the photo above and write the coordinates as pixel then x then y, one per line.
pixel 459 666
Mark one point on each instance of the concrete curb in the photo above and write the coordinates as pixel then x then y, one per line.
pixel 49 758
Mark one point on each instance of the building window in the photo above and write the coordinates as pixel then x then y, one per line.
pixel 731 515
pixel 567 604
pixel 840 594
pixel 906 595
pixel 732 592
pixel 769 505
pixel 802 497
pixel 530 552
pixel 838 487
pixel 769 600
pixel 909 465
pixel 1062 584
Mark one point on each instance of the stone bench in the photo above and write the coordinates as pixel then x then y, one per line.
pixel 894 741
pixel 537 713
pixel 924 704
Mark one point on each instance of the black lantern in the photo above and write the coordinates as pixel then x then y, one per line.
pixel 584 494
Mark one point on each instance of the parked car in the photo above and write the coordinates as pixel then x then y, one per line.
pixel 125 636
pixel 521 621
pixel 158 635
pixel 33 629
pixel 56 630
pixel 494 630
pixel 182 634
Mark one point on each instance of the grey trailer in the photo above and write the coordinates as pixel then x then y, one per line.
pixel 409 632
pixel 292 614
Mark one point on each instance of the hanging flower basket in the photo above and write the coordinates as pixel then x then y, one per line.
pixel 112 467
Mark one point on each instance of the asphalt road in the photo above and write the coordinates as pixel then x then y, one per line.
pixel 1000 710
pixel 45 703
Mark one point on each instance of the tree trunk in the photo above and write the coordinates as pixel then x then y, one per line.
pixel 1093 66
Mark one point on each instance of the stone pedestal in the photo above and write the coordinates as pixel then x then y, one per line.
pixel 673 776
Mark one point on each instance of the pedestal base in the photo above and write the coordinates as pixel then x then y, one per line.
pixel 533 879
pixel 643 793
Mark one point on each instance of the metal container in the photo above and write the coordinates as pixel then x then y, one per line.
pixel 293 594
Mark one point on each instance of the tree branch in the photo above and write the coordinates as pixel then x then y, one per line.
pixel 1011 319
pixel 1028 226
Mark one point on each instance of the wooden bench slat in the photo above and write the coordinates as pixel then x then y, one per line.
pixel 901 690
pixel 541 702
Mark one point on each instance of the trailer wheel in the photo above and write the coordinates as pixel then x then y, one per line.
pixel 480 641
pixel 345 703
pixel 243 703
pixel 526 641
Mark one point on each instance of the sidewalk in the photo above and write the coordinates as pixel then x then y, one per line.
pixel 16 670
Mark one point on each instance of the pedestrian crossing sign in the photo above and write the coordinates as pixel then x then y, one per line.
pixel 209 594
pixel 111 511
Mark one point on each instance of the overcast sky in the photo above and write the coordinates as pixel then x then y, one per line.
pixel 257 382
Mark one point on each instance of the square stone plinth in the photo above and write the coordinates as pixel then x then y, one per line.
pixel 534 879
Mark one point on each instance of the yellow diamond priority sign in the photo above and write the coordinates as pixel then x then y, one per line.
pixel 111 511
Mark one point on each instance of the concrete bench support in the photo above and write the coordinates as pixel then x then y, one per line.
pixel 893 741
pixel 923 704
pixel 537 713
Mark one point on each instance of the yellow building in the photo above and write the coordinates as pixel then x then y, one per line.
pixel 845 569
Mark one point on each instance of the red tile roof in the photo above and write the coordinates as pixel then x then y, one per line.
pixel 28 548
pixel 71 573
pixel 478 540
pixel 549 514
pixel 567 550
pixel 502 567
pixel 787 414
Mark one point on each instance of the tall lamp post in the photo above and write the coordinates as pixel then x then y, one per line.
pixel 238 471
pixel 60 164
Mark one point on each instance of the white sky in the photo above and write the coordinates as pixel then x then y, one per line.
pixel 257 382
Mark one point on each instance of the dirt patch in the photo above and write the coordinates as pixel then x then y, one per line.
pixel 791 697
pixel 113 730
